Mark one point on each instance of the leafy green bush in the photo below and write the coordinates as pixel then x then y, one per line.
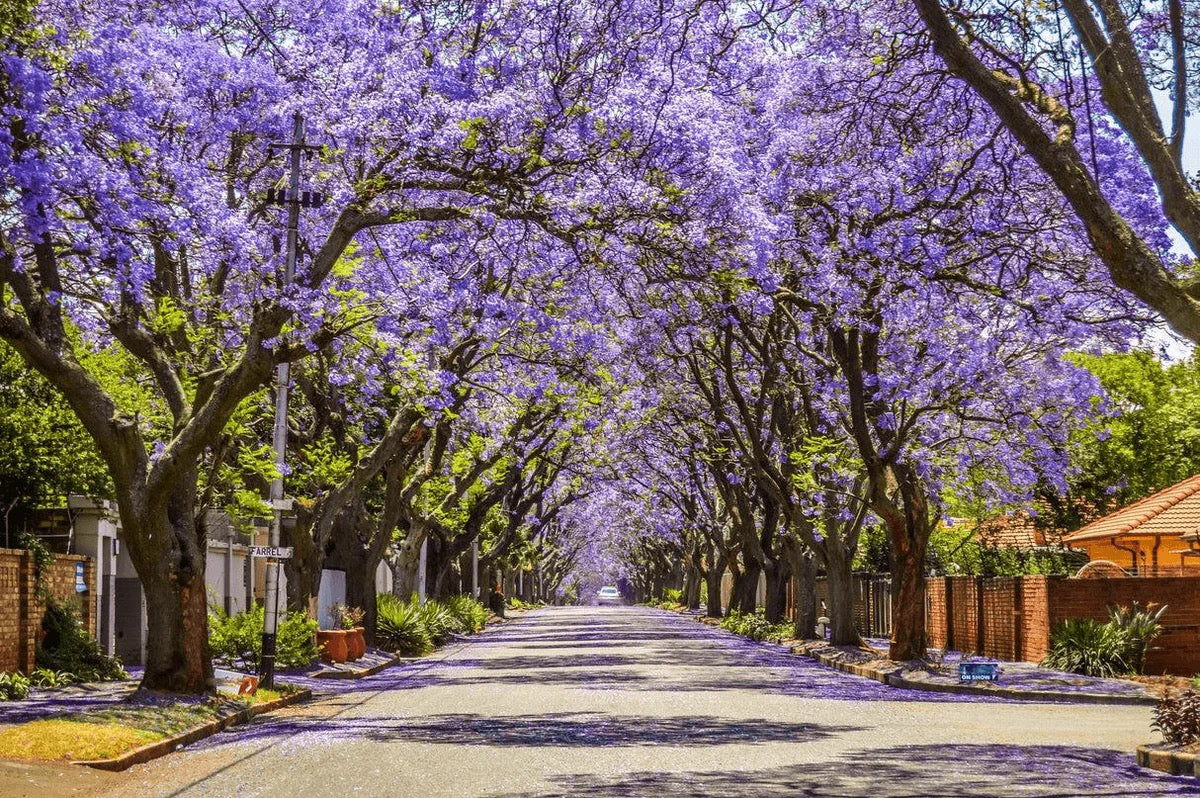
pixel 438 621
pixel 1083 645
pixel 44 677
pixel 755 626
pixel 672 596
pixel 1080 645
pixel 399 627
pixel 1177 717
pixel 468 611
pixel 236 640
pixel 67 646
pixel 13 686
pixel 1138 627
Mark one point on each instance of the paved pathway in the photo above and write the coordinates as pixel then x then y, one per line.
pixel 634 702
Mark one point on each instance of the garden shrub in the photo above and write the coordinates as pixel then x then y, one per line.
pixel 399 628
pixel 44 677
pixel 1139 628
pixel 1114 648
pixel 13 686
pixel 1177 717
pixel 470 613
pixel 755 626
pixel 67 646
pixel 438 621
pixel 235 641
pixel 1086 646
pixel 672 596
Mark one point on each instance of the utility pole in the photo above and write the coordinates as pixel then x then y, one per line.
pixel 293 199
pixel 423 559
pixel 475 569
pixel 421 569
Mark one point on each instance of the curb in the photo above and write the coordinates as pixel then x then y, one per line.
pixel 163 747
pixel 360 673
pixel 1168 760
pixel 894 677
pixel 396 659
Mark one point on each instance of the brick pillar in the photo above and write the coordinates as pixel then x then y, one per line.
pixel 27 615
pixel 979 621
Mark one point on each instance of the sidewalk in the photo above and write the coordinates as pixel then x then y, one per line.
pixel 1025 681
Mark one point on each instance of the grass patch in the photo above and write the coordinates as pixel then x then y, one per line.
pixel 261 697
pixel 107 733
pixel 164 721
pixel 56 740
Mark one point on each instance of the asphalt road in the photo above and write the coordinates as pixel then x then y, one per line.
pixel 634 702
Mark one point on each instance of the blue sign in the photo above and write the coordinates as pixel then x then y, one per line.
pixel 80 584
pixel 979 672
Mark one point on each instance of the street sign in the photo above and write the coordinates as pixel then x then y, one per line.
pixel 272 552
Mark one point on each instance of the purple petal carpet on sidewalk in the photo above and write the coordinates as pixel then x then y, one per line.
pixel 1024 675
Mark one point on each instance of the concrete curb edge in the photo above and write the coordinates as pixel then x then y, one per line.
pixel 165 746
pixel 893 677
pixel 1177 763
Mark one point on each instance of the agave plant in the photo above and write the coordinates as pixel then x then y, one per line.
pixel 1084 645
pixel 1139 627
pixel 470 613
pixel 399 627
pixel 438 621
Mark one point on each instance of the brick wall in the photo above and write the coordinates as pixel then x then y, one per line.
pixel 1035 610
pixel 935 610
pixel 1018 614
pixel 963 613
pixel 20 610
pixel 1001 628
pixel 1177 650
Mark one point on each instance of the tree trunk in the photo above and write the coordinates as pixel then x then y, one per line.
pixel 840 582
pixel 777 572
pixel 748 588
pixel 303 569
pixel 804 578
pixel 361 564
pixel 691 585
pixel 406 561
pixel 168 552
pixel 908 596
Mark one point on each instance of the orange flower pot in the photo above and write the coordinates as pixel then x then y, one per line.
pixel 332 643
pixel 356 643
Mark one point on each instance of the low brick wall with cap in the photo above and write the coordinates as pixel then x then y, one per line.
pixel 21 610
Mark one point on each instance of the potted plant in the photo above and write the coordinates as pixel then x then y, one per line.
pixel 332 643
pixel 350 620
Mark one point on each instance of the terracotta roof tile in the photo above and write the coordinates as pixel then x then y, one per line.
pixel 1173 511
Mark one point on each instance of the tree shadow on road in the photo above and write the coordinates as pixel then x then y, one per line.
pixel 555 730
pixel 925 771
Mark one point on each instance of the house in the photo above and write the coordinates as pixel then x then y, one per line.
pixel 92 528
pixel 1157 536
pixel 234 579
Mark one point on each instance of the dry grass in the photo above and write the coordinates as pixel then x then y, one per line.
pixel 57 740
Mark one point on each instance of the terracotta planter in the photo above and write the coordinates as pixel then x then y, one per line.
pixel 356 643
pixel 332 643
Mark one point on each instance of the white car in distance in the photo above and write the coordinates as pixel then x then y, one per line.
pixel 609 595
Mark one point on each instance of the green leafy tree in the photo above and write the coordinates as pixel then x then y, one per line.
pixel 1149 443
pixel 45 454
